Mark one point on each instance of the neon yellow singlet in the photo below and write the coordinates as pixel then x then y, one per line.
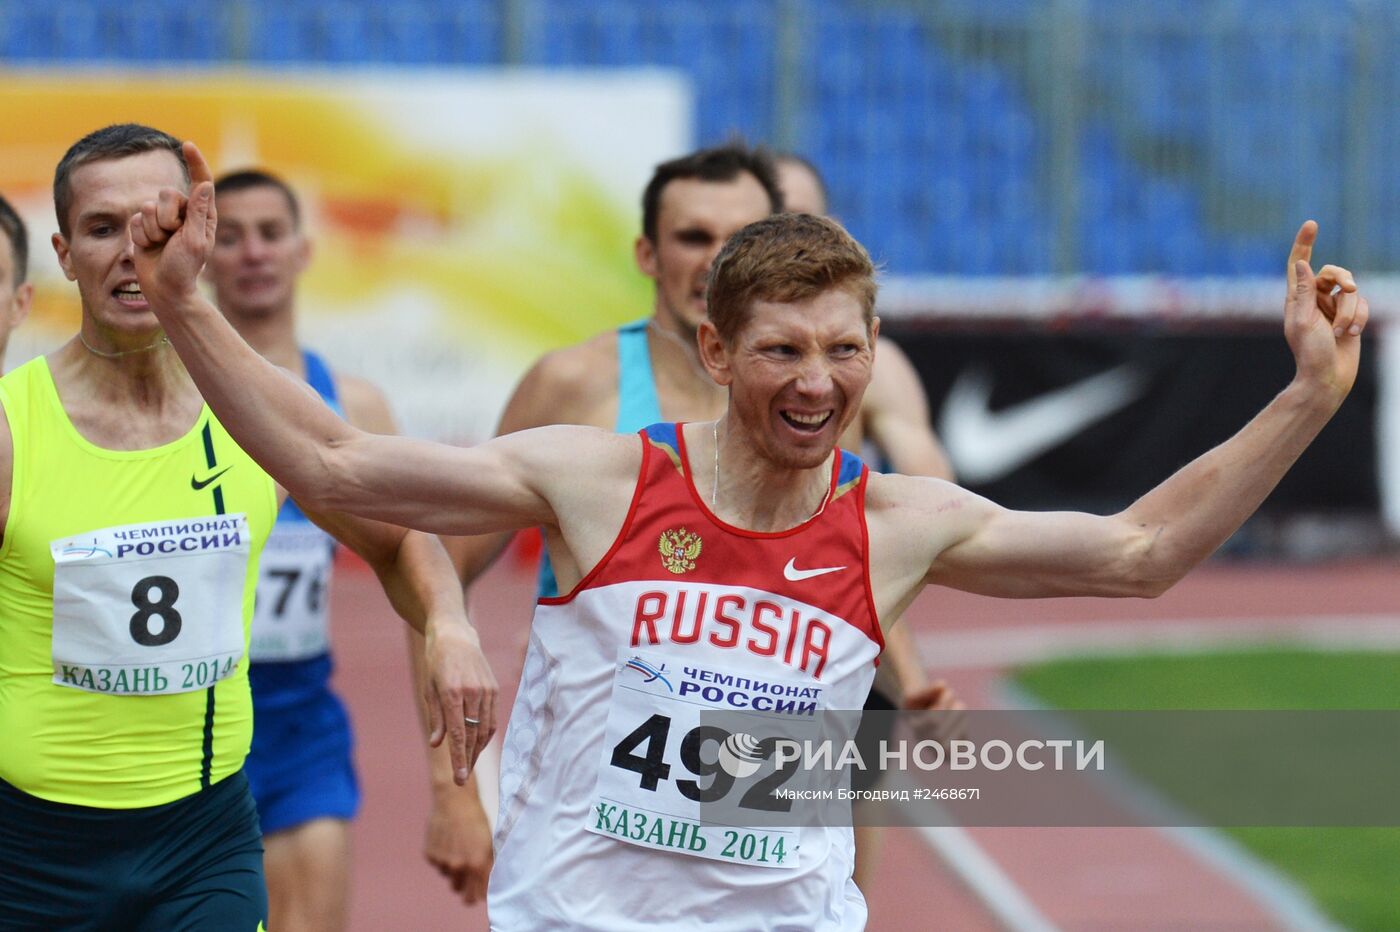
pixel 95 739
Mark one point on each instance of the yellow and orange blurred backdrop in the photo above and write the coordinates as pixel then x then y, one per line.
pixel 463 222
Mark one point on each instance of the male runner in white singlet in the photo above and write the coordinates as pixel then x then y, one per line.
pixel 746 547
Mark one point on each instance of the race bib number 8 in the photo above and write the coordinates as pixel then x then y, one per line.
pixel 150 609
pixel 662 763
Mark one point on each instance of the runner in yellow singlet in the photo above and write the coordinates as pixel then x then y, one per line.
pixel 132 527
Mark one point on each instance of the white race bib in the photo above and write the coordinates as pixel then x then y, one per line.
pixel 290 621
pixel 660 763
pixel 150 609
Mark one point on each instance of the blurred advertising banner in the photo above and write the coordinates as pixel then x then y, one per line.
pixel 1091 417
pixel 463 222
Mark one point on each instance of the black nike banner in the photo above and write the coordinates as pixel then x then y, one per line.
pixel 1090 419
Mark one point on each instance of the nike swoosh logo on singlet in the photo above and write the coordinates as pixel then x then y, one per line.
pixel 793 574
pixel 198 484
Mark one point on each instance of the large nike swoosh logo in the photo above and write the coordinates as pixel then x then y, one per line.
pixel 793 574
pixel 198 484
pixel 986 445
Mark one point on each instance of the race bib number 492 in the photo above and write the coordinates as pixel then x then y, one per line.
pixel 664 766
pixel 150 609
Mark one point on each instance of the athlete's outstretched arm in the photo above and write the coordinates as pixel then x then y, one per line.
pixel 562 387
pixel 1160 537
pixel 322 461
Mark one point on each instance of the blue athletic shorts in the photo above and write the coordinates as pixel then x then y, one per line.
pixel 194 864
pixel 300 766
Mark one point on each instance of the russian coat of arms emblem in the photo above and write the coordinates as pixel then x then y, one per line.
pixel 679 548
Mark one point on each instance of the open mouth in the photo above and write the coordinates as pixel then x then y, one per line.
pixel 129 293
pixel 807 423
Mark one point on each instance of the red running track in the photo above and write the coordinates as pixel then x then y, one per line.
pixel 1072 878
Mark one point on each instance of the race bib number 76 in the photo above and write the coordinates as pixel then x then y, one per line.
pixel 150 609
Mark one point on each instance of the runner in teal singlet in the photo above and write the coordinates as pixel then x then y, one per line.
pixel 637 407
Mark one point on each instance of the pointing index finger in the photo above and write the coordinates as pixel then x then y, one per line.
pixel 202 214
pixel 1302 249
pixel 199 169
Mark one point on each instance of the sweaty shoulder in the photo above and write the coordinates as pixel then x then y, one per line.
pixel 588 477
pixel 573 385
pixel 911 520
pixel 913 498
pixel 917 512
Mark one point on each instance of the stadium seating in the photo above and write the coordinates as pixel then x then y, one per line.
pixel 935 135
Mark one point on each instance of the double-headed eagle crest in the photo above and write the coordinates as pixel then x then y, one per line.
pixel 679 548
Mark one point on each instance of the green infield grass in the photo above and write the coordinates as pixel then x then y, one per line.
pixel 1352 873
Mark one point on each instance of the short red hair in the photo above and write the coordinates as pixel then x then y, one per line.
pixel 786 258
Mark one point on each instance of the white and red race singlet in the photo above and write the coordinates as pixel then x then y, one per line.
pixel 600 825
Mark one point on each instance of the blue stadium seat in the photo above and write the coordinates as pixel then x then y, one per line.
pixel 935 149
pixel 29 34
pixel 195 34
pixel 409 33
pixel 282 36
pixel 346 34
pixel 78 34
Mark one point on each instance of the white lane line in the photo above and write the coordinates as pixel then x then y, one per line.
pixel 1274 892
pixel 1272 889
pixel 1003 647
pixel 976 869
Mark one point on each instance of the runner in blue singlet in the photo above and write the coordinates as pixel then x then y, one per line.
pixel 300 768
pixel 300 765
